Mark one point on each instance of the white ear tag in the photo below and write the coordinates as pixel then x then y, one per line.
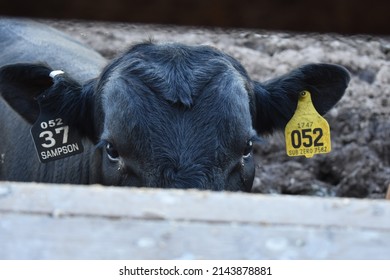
pixel 55 73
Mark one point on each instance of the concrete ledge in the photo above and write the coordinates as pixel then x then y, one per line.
pixel 39 221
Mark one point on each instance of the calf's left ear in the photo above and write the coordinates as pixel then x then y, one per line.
pixel 276 100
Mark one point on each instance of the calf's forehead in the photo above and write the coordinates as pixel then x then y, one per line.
pixel 177 97
pixel 223 102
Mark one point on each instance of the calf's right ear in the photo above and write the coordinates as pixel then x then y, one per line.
pixel 27 86
pixel 21 84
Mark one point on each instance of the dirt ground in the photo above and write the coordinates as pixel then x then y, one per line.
pixel 359 164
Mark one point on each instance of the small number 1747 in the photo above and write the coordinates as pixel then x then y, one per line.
pixel 305 124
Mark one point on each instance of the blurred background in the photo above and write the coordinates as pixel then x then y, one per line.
pixel 341 16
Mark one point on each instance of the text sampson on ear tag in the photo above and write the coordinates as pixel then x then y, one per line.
pixel 307 133
pixel 53 138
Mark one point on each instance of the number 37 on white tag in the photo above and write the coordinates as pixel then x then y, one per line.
pixel 54 139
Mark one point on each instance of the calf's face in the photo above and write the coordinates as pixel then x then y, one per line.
pixel 174 116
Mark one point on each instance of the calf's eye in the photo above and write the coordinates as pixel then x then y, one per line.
pixel 112 152
pixel 248 149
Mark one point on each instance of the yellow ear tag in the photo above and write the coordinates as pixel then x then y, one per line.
pixel 307 133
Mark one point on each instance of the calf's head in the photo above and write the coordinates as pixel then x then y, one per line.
pixel 172 115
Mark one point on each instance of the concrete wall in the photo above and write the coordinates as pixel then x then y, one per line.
pixel 40 221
